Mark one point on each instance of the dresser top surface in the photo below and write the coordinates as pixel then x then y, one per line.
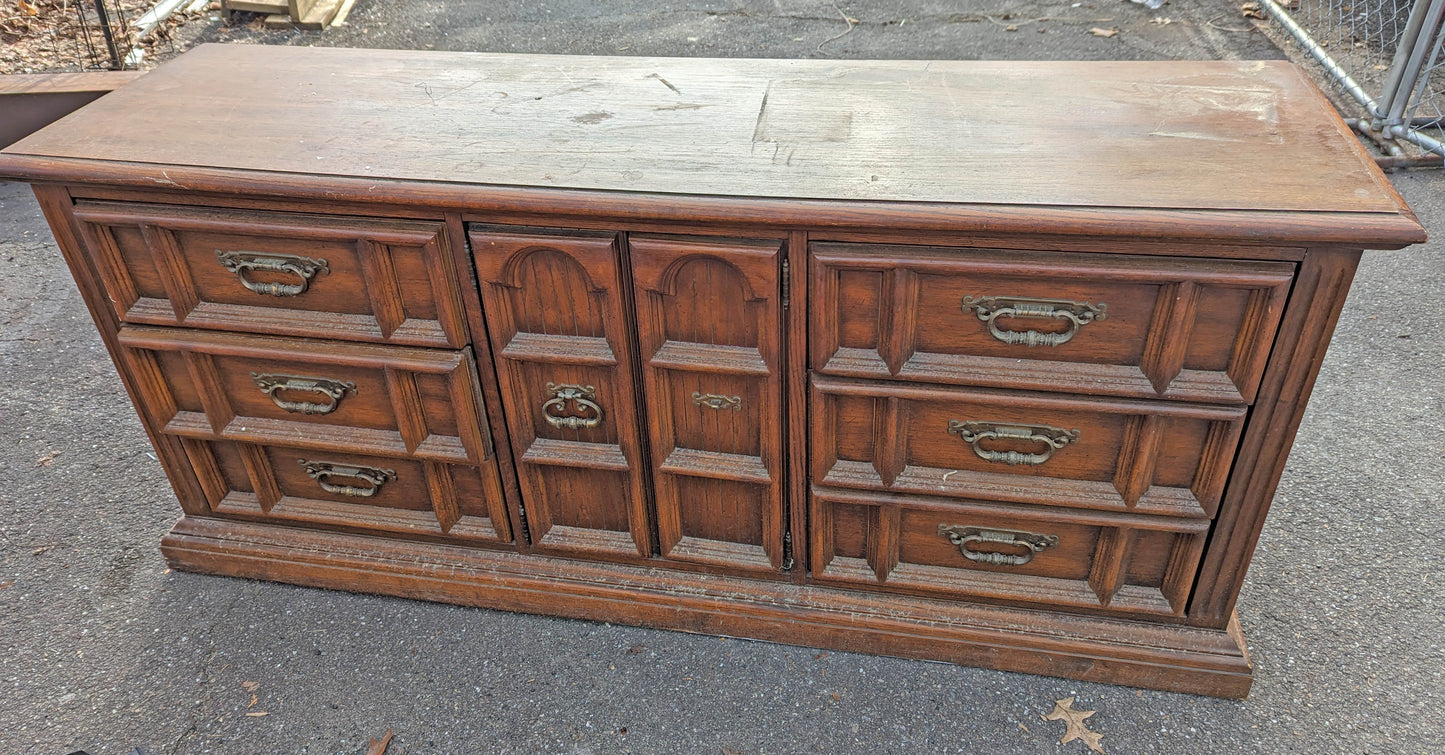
pixel 1218 135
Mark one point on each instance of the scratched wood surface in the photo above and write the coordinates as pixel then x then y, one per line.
pixel 1201 135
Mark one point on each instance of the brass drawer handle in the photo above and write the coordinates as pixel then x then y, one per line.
pixel 323 472
pixel 334 390
pixel 962 537
pixel 582 395
pixel 990 308
pixel 242 263
pixel 717 401
pixel 974 433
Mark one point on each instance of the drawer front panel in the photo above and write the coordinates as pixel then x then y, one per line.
pixel 387 281
pixel 1115 562
pixel 710 334
pixel 1095 324
pixel 393 496
pixel 264 389
pixel 1107 454
pixel 554 311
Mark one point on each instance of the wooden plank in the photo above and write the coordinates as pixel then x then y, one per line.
pixel 1256 135
pixel 254 6
pixel 33 101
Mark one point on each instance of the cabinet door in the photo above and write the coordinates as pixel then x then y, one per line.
pixel 709 328
pixel 554 313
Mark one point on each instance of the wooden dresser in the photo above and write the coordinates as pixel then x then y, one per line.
pixel 994 363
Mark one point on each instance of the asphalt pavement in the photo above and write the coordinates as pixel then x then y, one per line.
pixel 103 649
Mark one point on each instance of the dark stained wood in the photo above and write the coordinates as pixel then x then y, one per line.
pixel 57 205
pixel 1103 649
pixel 383 280
pixel 893 543
pixel 543 419
pixel 424 403
pixel 1309 321
pixel 1195 330
pixel 808 129
pixel 1145 456
pixel 709 328
pixel 554 308
pixel 418 498
pixel 1270 230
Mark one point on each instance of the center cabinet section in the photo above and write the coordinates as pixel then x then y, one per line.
pixel 704 485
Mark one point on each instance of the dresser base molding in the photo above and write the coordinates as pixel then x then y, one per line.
pixel 1139 654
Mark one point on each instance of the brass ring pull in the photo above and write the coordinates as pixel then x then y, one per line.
pixel 554 411
pixel 990 308
pixel 323 472
pixel 242 263
pixel 334 390
pixel 717 401
pixel 974 433
pixel 963 537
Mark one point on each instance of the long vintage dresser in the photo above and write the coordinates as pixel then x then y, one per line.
pixel 994 363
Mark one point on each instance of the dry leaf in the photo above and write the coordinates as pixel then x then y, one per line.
pixel 378 746
pixel 28 9
pixel 1074 719
pixel 1011 27
pixel 635 649
pixel 257 714
pixel 1096 31
pixel 250 686
pixel 252 704
pixel 1161 21
pixel 1252 10
pixel 45 460
pixel 836 696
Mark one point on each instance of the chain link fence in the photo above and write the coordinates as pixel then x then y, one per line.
pixel 1385 60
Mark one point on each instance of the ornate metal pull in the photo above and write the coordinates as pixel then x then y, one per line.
pixel 974 433
pixel 334 390
pixel 583 396
pixel 716 401
pixel 323 472
pixel 964 536
pixel 242 263
pixel 990 308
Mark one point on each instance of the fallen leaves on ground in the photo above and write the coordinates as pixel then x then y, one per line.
pixel 46 460
pixel 378 746
pixel 250 686
pixel 1101 32
pixel 1074 720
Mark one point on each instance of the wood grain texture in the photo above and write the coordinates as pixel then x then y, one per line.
pixel 1196 330
pixel 806 129
pixel 1103 649
pixel 555 313
pixel 1309 321
pixel 711 349
pixel 1142 456
pixel 1111 563
pixel 378 280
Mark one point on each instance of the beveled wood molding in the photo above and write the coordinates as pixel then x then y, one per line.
pixel 1170 658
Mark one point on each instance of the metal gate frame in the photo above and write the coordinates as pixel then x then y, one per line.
pixel 1391 115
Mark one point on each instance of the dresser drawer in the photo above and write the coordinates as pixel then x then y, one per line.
pixel 399 496
pixel 262 389
pixel 975 550
pixel 1120 325
pixel 363 279
pixel 1152 457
